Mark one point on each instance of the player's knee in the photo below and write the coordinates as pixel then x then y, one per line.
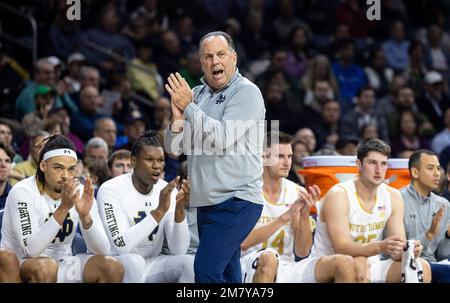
pixel 43 270
pixel 344 265
pixel 9 267
pixel 8 261
pixel 268 264
pixel 111 270
pixel 362 269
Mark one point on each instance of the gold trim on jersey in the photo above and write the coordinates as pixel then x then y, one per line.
pixel 278 203
pixel 361 205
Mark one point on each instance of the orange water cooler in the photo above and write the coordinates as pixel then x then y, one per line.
pixel 397 174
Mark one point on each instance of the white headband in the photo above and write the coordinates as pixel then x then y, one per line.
pixel 60 152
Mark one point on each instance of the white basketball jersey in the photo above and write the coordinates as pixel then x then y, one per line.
pixel 122 207
pixel 283 239
pixel 26 212
pixel 364 226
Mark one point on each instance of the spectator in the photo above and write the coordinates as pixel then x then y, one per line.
pixel 89 76
pixel 435 99
pixel 256 36
pixel 193 70
pixel 300 150
pixel 442 139
pixel 44 74
pixel 350 76
pixel 106 35
pixel 299 52
pixel 6 137
pixel 396 49
pixel 378 74
pixel 74 64
pixel 143 73
pixel 155 15
pixel 62 116
pixel 96 150
pixel 265 69
pixel 161 114
pixel 347 146
pixel 82 123
pixel 437 57
pixel 385 104
pixel 119 162
pixel 306 135
pixel 138 30
pixel 408 137
pixel 134 128
pixel 364 113
pixel 98 172
pixel 319 69
pixel 171 55
pixel 6 158
pixel 233 28
pixel 44 100
pixel 286 20
pixel 416 70
pixel 315 99
pixel 106 129
pixel 280 108
pixel 186 31
pixel 369 131
pixel 405 100
pixel 28 168
pixel 328 126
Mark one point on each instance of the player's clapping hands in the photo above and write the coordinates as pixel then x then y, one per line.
pixel 84 203
pixel 69 193
pixel 183 194
pixel 164 196
pixel 309 199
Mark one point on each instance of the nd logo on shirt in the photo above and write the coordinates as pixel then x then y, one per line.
pixel 66 228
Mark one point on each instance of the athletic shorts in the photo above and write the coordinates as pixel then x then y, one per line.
pixel 379 269
pixel 298 272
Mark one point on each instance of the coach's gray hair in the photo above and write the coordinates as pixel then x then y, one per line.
pixel 97 142
pixel 220 34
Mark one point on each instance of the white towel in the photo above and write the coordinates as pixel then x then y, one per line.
pixel 412 271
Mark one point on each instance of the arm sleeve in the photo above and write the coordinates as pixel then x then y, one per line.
pixel 246 107
pixel 122 237
pixel 34 239
pixel 178 238
pixel 95 237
